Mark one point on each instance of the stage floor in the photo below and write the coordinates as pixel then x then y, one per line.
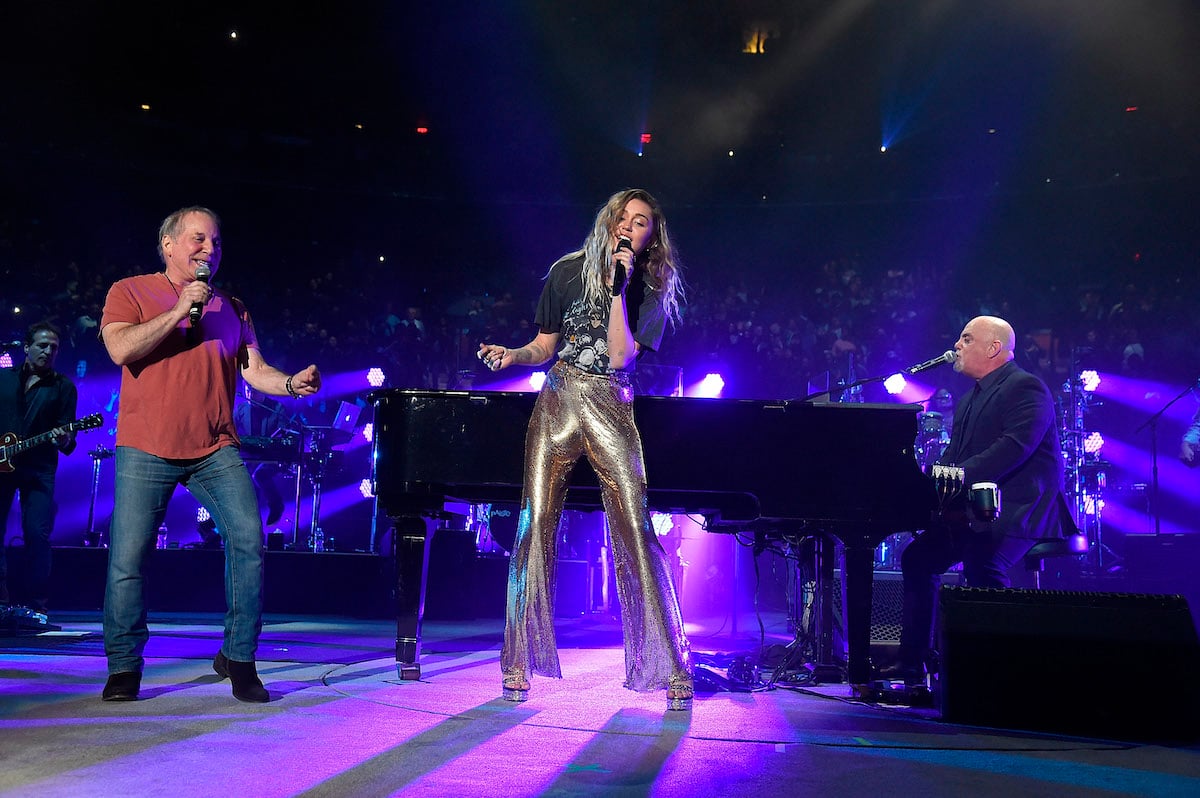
pixel 340 722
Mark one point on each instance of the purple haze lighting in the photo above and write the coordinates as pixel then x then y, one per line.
pixel 914 391
pixel 1146 396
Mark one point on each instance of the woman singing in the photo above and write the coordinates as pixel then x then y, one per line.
pixel 600 306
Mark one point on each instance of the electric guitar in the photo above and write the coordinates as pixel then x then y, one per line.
pixel 11 446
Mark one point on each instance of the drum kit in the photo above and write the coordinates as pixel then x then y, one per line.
pixel 311 453
pixel 307 454
pixel 933 435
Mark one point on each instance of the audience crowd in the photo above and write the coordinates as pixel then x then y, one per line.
pixel 770 335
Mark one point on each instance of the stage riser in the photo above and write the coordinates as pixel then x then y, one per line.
pixel 192 580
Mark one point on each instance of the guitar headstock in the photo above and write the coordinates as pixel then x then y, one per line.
pixel 89 422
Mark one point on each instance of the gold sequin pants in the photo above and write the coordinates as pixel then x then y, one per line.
pixel 576 414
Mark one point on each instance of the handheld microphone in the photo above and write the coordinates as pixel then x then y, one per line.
pixel 949 356
pixel 619 276
pixel 203 273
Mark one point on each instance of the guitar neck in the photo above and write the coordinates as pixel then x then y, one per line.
pixel 14 449
pixel 9 451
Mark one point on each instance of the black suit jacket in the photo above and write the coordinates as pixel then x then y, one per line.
pixel 1009 436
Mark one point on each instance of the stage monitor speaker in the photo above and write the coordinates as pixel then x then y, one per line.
pixel 887 593
pixel 887 603
pixel 1114 665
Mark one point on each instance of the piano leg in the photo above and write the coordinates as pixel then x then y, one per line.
pixel 411 550
pixel 859 584
pixel 825 669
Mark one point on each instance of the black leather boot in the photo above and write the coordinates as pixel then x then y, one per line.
pixel 122 686
pixel 244 677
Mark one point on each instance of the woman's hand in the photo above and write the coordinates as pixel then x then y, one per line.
pixel 494 356
pixel 623 264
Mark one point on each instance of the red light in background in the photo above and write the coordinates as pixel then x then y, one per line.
pixel 422 130
pixel 645 138
pixel 1129 109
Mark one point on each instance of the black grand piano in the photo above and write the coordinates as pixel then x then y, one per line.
pixel 771 467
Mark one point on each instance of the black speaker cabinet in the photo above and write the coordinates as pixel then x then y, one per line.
pixel 1114 665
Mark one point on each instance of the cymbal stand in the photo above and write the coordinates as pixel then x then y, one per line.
pixel 91 538
pixel 321 456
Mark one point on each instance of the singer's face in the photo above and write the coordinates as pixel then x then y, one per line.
pixel 637 223
pixel 199 241
pixel 976 347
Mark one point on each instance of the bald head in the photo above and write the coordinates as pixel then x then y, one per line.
pixel 986 344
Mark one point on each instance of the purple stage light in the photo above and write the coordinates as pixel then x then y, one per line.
pixel 364 487
pixel 895 384
pixel 708 388
pixel 537 379
pixel 376 377
pixel 1090 380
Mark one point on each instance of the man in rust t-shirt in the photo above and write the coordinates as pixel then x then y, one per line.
pixel 181 345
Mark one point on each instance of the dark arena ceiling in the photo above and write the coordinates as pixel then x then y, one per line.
pixel 550 101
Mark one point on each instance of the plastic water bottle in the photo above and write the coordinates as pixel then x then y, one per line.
pixel 318 541
pixel 162 536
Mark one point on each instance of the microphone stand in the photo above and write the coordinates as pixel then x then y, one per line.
pixel 1152 423
pixel 841 387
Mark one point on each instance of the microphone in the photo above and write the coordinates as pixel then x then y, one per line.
pixel 7 344
pixel 203 273
pixel 619 276
pixel 949 356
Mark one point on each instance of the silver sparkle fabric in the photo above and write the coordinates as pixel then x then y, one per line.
pixel 578 414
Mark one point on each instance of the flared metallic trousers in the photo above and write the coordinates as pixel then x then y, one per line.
pixel 577 414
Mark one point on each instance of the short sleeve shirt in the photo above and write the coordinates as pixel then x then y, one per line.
pixel 583 327
pixel 177 402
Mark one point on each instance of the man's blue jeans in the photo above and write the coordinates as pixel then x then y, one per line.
pixel 144 484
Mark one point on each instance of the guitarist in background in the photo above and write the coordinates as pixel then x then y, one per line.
pixel 34 399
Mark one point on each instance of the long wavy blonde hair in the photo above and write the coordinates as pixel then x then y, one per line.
pixel 658 259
